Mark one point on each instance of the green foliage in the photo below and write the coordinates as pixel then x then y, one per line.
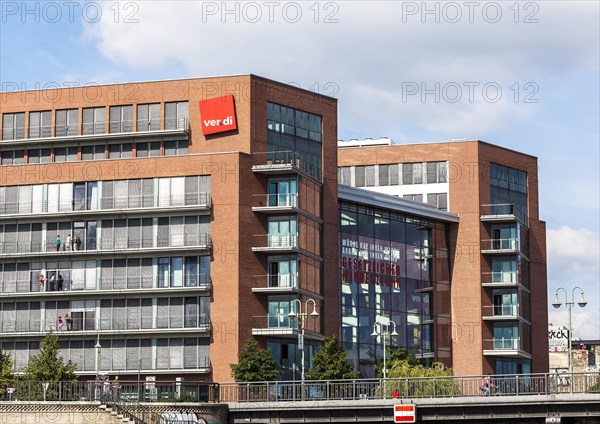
pixel 6 367
pixel 392 357
pixel 437 384
pixel 47 365
pixel 330 362
pixel 254 364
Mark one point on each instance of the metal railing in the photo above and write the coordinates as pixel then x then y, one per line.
pixel 502 343
pixel 504 209
pixel 276 241
pixel 106 203
pixel 275 200
pixel 128 393
pixel 500 277
pixel 301 161
pixel 282 280
pixel 509 244
pixel 421 387
pixel 501 310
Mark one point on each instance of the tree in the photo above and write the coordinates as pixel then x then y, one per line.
pixel 330 362
pixel 6 367
pixel 47 366
pixel 392 357
pixel 254 364
pixel 438 383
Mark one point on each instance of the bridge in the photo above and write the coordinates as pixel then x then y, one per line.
pixel 540 398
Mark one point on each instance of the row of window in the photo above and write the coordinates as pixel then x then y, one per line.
pixel 134 233
pixel 98 195
pixel 122 355
pixel 95 152
pixel 93 120
pixel 439 200
pixel 108 314
pixel 393 174
pixel 106 274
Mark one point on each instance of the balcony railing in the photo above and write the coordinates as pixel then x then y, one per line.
pixel 500 245
pixel 92 128
pixel 287 160
pixel 201 241
pixel 498 211
pixel 282 280
pixel 509 311
pixel 275 241
pixel 281 200
pixel 201 199
pixel 502 344
pixel 500 277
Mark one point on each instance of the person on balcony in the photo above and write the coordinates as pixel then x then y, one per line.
pixel 58 242
pixel 485 386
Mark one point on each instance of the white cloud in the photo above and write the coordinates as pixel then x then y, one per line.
pixel 574 260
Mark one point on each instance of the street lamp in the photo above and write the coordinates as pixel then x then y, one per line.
pixel 302 321
pixel 569 304
pixel 393 334
pixel 98 347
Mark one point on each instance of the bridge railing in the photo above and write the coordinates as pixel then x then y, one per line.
pixel 422 387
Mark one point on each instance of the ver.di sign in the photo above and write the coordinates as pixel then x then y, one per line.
pixel 218 115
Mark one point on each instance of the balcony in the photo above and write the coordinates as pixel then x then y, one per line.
pixel 503 212
pixel 177 128
pixel 106 206
pixel 283 326
pixel 275 203
pixel 508 246
pixel 505 347
pixel 276 283
pixel 501 312
pixel 97 247
pixel 274 243
pixel 285 162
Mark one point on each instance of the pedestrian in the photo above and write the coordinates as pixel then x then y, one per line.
pixel 116 386
pixel 485 386
pixel 69 242
pixel 51 285
pixel 395 394
pixel 77 243
pixel 59 282
pixel 69 322
pixel 58 242
pixel 59 323
pixel 42 282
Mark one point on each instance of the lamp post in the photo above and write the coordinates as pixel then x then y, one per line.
pixel 569 304
pixel 98 347
pixel 302 321
pixel 383 334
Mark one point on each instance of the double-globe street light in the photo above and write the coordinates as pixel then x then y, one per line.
pixel 302 322
pixel 569 304
pixel 393 334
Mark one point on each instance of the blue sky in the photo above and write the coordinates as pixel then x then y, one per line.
pixel 377 58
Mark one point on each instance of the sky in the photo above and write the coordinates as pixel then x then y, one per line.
pixel 520 74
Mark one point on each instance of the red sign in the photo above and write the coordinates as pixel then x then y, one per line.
pixel 218 115
pixel 405 413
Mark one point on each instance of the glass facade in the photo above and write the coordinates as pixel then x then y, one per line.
pixel 508 186
pixel 392 267
pixel 295 137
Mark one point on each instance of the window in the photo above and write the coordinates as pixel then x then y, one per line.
pixel 147 149
pixel 176 115
pixel 176 148
pixel 359 176
pixel 508 191
pixel 66 122
pixel 344 175
pixel 294 137
pixel 370 175
pixel 40 124
pixel 148 117
pixel 13 157
pixel 121 119
pixel 436 172
pixel 439 200
pixel 414 197
pixel 412 173
pixel 38 155
pixel 65 154
pixel 119 151
pixel 92 152
pixel 282 191
pixel 94 119
pixel 384 176
pixel 13 126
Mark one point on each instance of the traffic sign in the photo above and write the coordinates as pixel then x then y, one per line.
pixel 405 413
